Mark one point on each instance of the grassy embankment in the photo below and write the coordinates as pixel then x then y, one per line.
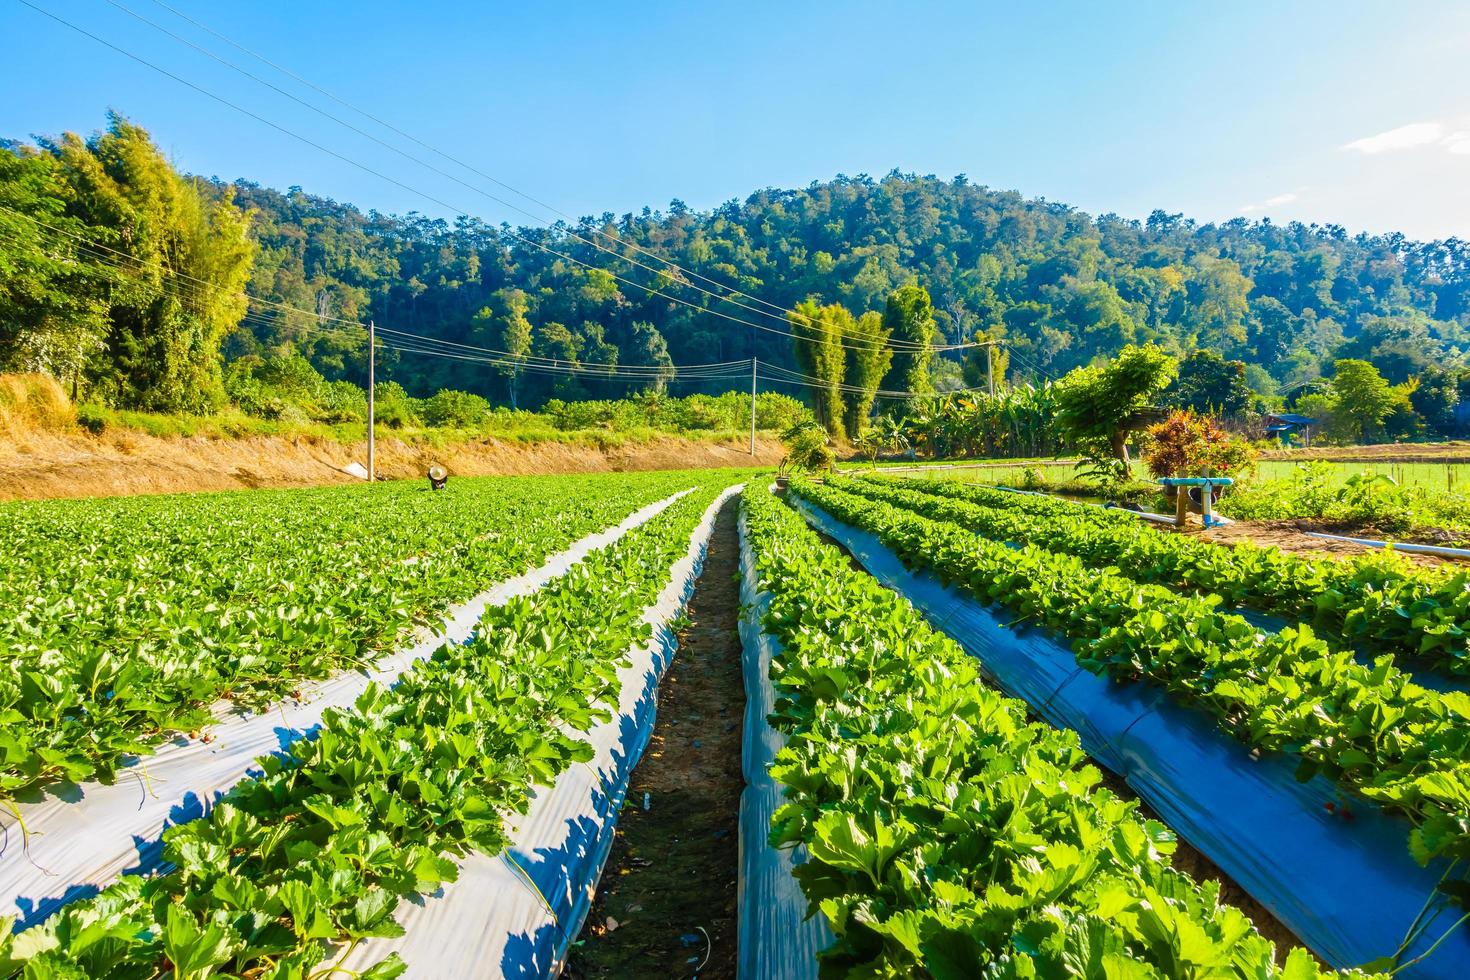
pixel 31 403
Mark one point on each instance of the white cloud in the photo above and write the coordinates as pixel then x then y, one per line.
pixel 1450 137
pixel 1403 138
pixel 1270 202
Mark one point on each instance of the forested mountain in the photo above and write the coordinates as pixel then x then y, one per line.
pixel 1060 287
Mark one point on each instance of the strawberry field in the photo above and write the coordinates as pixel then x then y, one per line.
pixel 383 731
pixel 1338 684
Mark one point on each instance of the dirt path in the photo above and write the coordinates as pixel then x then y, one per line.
pixel 667 897
pixel 1392 452
pixel 1291 535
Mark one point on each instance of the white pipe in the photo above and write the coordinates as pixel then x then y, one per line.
pixel 1220 519
pixel 1417 549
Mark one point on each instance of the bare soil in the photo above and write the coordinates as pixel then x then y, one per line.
pixel 1292 536
pixel 36 465
pixel 666 905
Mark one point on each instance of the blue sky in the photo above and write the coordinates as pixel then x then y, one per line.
pixel 1352 112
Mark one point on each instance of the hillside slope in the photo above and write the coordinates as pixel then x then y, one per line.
pixel 44 452
pixel 47 464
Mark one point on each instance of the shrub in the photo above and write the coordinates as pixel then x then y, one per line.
pixel 92 418
pixel 343 401
pixel 30 402
pixel 1187 444
pixel 392 406
pixel 807 448
pixel 455 409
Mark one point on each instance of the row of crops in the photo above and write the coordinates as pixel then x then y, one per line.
pixel 338 855
pixel 1144 610
pixel 1378 604
pixel 124 622
pixel 384 731
pixel 1367 726
pixel 946 834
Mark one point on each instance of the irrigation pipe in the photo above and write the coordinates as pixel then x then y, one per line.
pixel 1439 551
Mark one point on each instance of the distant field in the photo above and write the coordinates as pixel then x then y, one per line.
pixel 1453 476
pixel 1431 476
pixel 1008 472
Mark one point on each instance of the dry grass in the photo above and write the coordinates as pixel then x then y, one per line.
pixel 46 452
pixel 32 403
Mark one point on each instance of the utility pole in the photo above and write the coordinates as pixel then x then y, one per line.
pixel 372 415
pixel 752 405
pixel 990 367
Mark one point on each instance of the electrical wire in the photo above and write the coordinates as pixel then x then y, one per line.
pixel 196 288
pixel 1026 361
pixel 404 342
pixel 410 157
pixel 782 312
pixel 779 373
pixel 392 180
pixel 603 371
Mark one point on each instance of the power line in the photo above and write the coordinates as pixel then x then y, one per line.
pixel 189 290
pixel 1026 361
pixel 788 376
pixel 198 287
pixel 405 342
pixel 603 371
pixel 384 177
pixel 410 157
pixel 783 312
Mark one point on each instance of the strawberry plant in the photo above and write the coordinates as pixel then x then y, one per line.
pixel 947 836
pixel 1375 604
pixel 1368 728
pixel 315 855
pixel 122 621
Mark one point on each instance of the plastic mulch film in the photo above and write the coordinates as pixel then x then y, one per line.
pixel 777 940
pixel 516 913
pixel 91 833
pixel 1349 889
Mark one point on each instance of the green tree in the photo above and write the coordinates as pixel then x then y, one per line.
pixel 1435 398
pixel 868 360
pixel 909 320
pixel 1210 385
pixel 515 338
pixel 554 341
pixel 136 307
pixel 455 409
pixel 162 348
pixel 1362 399
pixel 1098 407
pixel 53 294
pixel 986 366
pixel 818 333
pixel 392 406
pixel 651 350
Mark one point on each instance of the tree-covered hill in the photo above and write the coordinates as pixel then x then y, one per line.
pixel 1060 287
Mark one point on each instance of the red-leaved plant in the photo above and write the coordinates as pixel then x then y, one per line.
pixel 1190 444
